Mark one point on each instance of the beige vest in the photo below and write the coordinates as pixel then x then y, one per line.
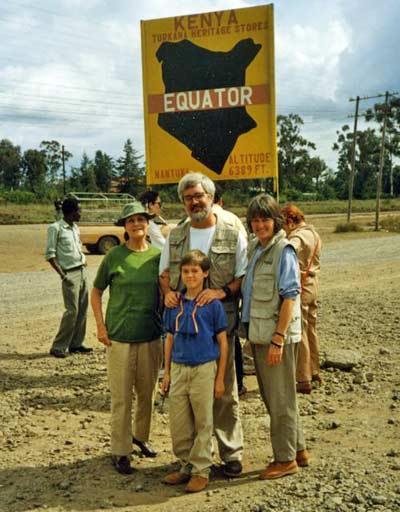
pixel 222 256
pixel 265 300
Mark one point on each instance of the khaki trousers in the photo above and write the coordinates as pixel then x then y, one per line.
pixel 227 424
pixel 132 367
pixel 72 330
pixel 278 390
pixel 308 356
pixel 191 401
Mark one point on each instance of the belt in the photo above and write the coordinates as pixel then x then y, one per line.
pixel 79 267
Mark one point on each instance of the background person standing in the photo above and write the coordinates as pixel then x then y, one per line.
pixel 158 226
pixel 64 253
pixel 307 244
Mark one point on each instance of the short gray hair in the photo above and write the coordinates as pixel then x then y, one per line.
pixel 192 179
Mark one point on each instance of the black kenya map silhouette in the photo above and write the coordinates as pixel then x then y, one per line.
pixel 209 134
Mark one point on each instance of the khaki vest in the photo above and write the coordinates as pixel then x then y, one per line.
pixel 304 239
pixel 222 256
pixel 265 300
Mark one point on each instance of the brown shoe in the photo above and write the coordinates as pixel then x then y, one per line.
pixel 317 379
pixel 303 458
pixel 304 387
pixel 176 478
pixel 279 469
pixel 196 484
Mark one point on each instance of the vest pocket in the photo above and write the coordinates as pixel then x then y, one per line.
pixel 263 288
pixel 223 262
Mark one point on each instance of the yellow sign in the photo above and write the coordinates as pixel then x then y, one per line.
pixel 209 95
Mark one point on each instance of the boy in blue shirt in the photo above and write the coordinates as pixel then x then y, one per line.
pixel 196 344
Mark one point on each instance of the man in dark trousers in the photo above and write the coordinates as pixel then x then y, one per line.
pixel 64 253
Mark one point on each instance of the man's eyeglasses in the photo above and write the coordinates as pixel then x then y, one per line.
pixel 199 196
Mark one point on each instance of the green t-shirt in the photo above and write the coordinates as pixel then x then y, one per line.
pixel 133 313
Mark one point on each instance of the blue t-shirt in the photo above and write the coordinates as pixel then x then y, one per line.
pixel 194 329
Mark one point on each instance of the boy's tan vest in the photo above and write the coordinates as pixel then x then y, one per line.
pixel 222 256
pixel 265 300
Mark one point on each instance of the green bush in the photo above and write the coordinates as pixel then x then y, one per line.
pixel 347 227
pixel 19 197
pixel 391 223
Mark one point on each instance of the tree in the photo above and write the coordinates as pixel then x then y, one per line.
pixel 343 147
pixel 366 162
pixel 129 170
pixel 34 166
pixel 293 154
pixel 317 170
pixel 392 143
pixel 10 165
pixel 103 170
pixel 53 152
pixel 87 176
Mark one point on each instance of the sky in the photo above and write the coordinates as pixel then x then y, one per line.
pixel 70 70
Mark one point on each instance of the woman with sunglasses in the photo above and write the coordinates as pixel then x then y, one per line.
pixel 158 226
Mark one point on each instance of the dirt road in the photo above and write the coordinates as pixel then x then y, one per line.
pixel 54 419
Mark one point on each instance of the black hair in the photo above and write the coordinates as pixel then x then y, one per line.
pixel 70 205
pixel 150 196
pixel 218 194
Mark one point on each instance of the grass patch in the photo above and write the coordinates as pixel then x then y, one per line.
pixel 348 227
pixel 44 213
pixel 391 223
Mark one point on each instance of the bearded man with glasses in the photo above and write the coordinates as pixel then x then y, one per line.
pixel 226 247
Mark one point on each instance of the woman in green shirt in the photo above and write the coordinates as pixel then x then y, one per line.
pixel 131 333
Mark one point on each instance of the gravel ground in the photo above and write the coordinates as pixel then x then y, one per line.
pixel 54 419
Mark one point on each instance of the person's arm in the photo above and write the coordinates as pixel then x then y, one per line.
pixel 289 288
pixel 209 294
pixel 54 263
pixel 171 297
pixel 274 355
pixel 219 386
pixel 51 250
pixel 95 299
pixel 169 343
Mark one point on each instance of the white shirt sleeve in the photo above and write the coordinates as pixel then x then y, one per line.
pixel 156 237
pixel 241 256
pixel 164 259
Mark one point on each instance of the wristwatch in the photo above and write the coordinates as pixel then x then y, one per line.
pixel 228 292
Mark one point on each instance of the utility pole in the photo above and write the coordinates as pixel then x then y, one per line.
pixel 353 150
pixel 353 159
pixel 63 169
pixel 381 162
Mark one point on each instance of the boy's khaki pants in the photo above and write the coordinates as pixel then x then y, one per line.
pixel 132 367
pixel 191 402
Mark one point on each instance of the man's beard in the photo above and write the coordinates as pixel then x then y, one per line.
pixel 201 215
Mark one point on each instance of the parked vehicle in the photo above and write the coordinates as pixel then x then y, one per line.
pixel 101 238
pixel 99 212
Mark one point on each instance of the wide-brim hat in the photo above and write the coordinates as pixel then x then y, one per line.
pixel 134 208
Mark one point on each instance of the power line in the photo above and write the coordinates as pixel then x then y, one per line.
pixel 72 87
